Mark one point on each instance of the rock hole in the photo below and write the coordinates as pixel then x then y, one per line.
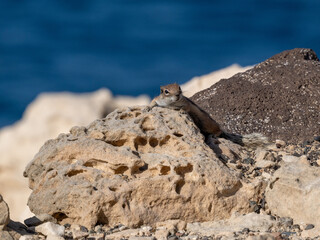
pixel 179 185
pixel 164 140
pixel 177 134
pixel 182 170
pixel 137 169
pixel 164 170
pixel 139 141
pixel 143 168
pixel 136 153
pixel 272 183
pixel 74 172
pixel 186 154
pixel 125 116
pixel 137 114
pixel 89 164
pixel 227 192
pixel 59 216
pixel 113 189
pixel 120 170
pixel 102 218
pixel 153 142
pixel 112 203
pixel 117 143
pixel 210 207
pixel 147 125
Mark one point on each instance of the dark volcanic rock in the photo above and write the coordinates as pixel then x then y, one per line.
pixel 279 97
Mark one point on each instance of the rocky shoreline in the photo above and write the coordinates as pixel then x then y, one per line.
pixel 145 175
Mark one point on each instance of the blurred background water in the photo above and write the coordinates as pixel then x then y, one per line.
pixel 132 47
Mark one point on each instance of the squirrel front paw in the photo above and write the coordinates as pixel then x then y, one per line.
pixel 147 109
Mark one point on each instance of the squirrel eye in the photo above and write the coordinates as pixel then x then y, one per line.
pixel 166 91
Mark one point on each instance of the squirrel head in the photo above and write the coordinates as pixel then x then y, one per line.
pixel 171 90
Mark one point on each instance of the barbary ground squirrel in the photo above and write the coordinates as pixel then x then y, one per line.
pixel 171 97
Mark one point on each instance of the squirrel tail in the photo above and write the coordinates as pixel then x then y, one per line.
pixel 252 140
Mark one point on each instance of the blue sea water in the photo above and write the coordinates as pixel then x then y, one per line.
pixel 132 47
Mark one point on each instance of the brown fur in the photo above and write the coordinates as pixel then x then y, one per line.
pixel 171 97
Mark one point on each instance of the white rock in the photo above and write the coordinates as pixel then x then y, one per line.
pixel 54 237
pixel 28 237
pixel 4 235
pixel 79 234
pixel 50 228
pixel 253 221
pixel 123 234
pixel 311 233
pixel 264 164
pixel 197 84
pixel 260 155
pixel 290 159
pixel 141 238
pixel 294 191
pixel 266 175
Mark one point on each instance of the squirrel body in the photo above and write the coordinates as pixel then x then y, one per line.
pixel 171 97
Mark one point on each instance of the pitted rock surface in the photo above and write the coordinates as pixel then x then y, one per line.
pixel 4 213
pixel 135 168
pixel 279 97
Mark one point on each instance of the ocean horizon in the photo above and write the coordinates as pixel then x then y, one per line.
pixel 133 47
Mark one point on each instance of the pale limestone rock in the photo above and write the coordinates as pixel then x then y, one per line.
pixel 280 143
pixel 197 84
pixel 141 238
pixel 172 225
pixel 123 234
pixel 145 231
pixel 53 113
pixel 226 149
pixel 263 236
pixel 135 168
pixel 253 221
pixel 294 191
pixel 162 233
pixel 76 234
pixel 30 237
pixel 260 155
pixel 4 213
pixel 4 235
pixel 290 159
pixel 191 237
pixel 311 233
pixel 49 228
pixel 46 117
pixel 54 237
pixel 264 164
